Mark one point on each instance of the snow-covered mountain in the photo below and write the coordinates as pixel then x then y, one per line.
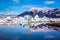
pixel 50 13
pixel 44 14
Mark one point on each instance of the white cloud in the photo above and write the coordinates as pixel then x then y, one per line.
pixel 31 7
pixel 27 6
pixel 9 13
pixel 49 2
pixel 12 13
pixel 16 1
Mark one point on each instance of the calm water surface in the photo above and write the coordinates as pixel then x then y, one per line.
pixel 17 32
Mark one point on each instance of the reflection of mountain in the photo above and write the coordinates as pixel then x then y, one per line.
pixel 55 24
pixel 51 13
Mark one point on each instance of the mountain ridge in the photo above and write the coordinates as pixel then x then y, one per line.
pixel 51 13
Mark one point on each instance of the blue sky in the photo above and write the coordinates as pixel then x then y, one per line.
pixel 19 6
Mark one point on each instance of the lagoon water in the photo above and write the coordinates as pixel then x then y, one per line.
pixel 17 32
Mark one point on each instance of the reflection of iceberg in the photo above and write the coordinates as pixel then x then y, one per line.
pixel 43 29
pixel 2 21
